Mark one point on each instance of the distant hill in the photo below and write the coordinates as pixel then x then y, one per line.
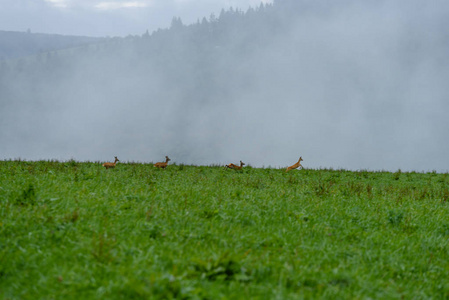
pixel 18 44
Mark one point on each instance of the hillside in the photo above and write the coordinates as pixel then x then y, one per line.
pixel 20 44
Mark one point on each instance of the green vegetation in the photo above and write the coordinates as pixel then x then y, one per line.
pixel 75 230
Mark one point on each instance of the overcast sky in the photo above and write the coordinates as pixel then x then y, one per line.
pixel 107 17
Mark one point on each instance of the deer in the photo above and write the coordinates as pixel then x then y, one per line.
pixel 108 165
pixel 235 167
pixel 295 166
pixel 162 165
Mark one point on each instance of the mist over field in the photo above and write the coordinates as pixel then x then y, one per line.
pixel 354 85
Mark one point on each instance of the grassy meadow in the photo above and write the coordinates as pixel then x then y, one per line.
pixel 74 230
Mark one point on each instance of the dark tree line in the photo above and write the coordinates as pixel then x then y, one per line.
pixel 197 57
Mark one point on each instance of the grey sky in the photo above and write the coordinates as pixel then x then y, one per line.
pixel 107 17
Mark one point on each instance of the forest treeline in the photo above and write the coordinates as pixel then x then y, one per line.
pixel 198 62
pixel 232 29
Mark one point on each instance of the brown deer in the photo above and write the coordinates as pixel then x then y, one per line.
pixel 162 165
pixel 108 165
pixel 297 165
pixel 235 167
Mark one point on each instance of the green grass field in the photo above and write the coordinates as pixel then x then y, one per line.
pixel 72 230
